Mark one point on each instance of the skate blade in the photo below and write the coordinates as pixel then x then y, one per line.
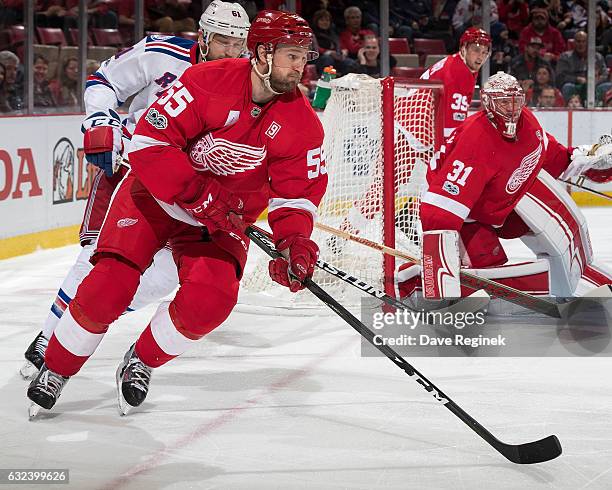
pixel 28 371
pixel 123 407
pixel 33 410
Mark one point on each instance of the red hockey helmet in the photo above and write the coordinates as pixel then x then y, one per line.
pixel 273 27
pixel 475 35
pixel 503 100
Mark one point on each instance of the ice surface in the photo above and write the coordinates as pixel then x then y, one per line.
pixel 287 402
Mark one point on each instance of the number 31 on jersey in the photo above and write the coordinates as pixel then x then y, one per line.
pixel 456 177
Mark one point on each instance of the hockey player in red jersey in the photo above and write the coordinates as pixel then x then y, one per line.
pixel 226 140
pixel 504 186
pixel 142 71
pixel 459 72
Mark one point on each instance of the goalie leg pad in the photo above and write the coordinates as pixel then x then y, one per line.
pixel 440 264
pixel 558 232
pixel 407 280
pixel 529 277
pixel 597 275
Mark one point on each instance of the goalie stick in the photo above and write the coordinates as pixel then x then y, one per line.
pixel 495 289
pixel 474 302
pixel 528 453
pixel 588 189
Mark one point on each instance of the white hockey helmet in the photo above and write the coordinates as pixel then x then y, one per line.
pixel 503 100
pixel 228 19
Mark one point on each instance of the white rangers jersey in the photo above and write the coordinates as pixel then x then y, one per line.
pixel 143 70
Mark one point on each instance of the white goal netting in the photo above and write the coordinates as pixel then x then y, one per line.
pixel 356 127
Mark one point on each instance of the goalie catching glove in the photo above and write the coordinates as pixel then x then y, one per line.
pixel 102 142
pixel 302 254
pixel 211 204
pixel 591 160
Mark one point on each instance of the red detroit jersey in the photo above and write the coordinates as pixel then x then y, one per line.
pixel 459 83
pixel 483 175
pixel 207 123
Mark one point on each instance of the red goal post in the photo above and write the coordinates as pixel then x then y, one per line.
pixel 427 97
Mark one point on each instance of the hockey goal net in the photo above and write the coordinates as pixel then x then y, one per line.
pixel 379 138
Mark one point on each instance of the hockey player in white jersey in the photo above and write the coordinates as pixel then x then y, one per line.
pixel 143 71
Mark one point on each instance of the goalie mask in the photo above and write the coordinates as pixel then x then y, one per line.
pixel 503 100
pixel 225 18
pixel 271 28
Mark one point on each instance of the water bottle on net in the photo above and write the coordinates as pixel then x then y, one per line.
pixel 323 90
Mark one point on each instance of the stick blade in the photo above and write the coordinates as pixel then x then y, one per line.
pixel 533 452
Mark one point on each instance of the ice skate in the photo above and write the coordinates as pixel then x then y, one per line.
pixel 34 356
pixel 133 378
pixel 44 390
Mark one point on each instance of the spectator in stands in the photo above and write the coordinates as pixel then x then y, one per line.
pixel 606 41
pixel 543 80
pixel 572 70
pixel 101 16
pixel 170 15
pixel 504 51
pixel 547 99
pixel 56 13
pixel 553 41
pixel 127 14
pixel 4 107
pixel 514 14
pixel 11 12
pixel 411 19
pixel 42 93
pixel 353 36
pixel 524 66
pixel 369 57
pixel 575 17
pixel 13 80
pixel 92 66
pixel 423 24
pixel 607 98
pixel 556 12
pixel 602 23
pixel 328 42
pixel 65 86
pixel 468 13
pixel 575 102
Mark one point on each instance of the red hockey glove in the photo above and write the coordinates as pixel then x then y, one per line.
pixel 102 142
pixel 302 257
pixel 211 204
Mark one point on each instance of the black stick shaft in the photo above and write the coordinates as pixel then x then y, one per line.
pixel 513 453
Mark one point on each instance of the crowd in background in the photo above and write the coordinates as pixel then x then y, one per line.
pixel 541 42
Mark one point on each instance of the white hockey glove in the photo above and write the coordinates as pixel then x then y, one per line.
pixel 585 157
pixel 103 140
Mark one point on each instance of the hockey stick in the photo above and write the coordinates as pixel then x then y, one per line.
pixel 527 453
pixel 477 301
pixel 472 281
pixel 588 189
